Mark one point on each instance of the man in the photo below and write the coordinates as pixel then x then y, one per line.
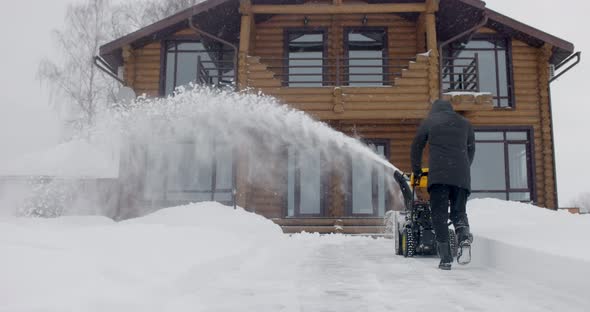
pixel 451 148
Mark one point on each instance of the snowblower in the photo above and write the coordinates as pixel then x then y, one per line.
pixel 413 228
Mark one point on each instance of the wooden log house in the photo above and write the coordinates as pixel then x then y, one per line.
pixel 369 68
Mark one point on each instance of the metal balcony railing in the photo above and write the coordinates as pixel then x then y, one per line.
pixel 353 71
pixel 215 73
pixel 460 74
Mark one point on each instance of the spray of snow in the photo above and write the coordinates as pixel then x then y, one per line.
pixel 255 127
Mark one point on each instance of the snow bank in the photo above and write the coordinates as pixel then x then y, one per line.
pixel 146 264
pixel 541 245
pixel 74 159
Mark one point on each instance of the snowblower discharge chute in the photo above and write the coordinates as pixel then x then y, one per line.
pixel 413 228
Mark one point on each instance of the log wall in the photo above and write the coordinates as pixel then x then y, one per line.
pixel 389 112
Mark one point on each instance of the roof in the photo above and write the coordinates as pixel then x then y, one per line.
pixel 112 51
pixel 222 18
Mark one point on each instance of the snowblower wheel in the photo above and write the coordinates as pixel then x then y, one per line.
pixel 407 243
pixel 398 243
pixel 454 243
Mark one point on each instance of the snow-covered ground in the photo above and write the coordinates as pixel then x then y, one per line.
pixel 208 257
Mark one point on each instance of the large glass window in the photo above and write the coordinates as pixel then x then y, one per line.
pixel 305 58
pixel 502 165
pixel 305 184
pixel 367 50
pixel 366 194
pixel 493 62
pixel 180 173
pixel 197 62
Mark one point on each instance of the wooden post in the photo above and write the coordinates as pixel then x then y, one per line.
pixel 546 138
pixel 432 46
pixel 129 74
pixel 245 32
pixel 421 34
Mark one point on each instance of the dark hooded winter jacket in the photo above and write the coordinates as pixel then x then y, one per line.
pixel 451 146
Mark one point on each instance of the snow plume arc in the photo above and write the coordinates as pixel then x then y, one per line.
pixel 180 134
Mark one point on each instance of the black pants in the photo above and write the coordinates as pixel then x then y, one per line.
pixel 440 196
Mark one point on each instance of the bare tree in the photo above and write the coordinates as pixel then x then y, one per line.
pixel 140 13
pixel 73 79
pixel 79 87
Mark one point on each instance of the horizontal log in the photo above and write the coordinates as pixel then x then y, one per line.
pixel 360 106
pixel 507 116
pixel 307 98
pixel 400 98
pixel 312 23
pixel 528 77
pixel 338 9
pixel 521 121
pixel 147 65
pixel 524 63
pixel 388 114
pixel 298 90
pixel 414 74
pixel 311 106
pixel 409 50
pixel 261 75
pixel 264 83
pixel 147 52
pixel 524 56
pixel 411 82
pixel 423 90
pixel 526 71
pixel 524 50
pixel 521 84
pixel 418 66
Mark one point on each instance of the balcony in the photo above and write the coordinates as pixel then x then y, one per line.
pixel 461 86
pixel 337 72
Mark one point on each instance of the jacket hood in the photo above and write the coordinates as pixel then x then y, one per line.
pixel 440 106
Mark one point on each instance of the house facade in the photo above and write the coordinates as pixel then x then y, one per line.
pixel 369 69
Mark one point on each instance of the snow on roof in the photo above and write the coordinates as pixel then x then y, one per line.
pixel 73 159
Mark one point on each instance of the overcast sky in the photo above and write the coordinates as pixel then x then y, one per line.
pixel 27 122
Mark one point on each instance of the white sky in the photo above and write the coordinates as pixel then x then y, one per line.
pixel 28 123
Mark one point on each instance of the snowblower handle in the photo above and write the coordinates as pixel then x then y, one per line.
pixel 420 180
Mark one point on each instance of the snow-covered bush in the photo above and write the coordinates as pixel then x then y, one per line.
pixel 49 198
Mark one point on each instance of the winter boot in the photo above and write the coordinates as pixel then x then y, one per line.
pixel 446 258
pixel 465 240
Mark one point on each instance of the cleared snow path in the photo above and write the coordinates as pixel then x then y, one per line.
pixel 353 274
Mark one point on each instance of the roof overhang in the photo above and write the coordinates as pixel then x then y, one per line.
pixel 456 16
pixel 222 19
pixel 218 17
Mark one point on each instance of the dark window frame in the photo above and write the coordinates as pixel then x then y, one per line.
pixel 213 190
pixel 287 31
pixel 325 180
pixel 495 38
pixel 348 200
pixel 386 76
pixel 530 146
pixel 176 40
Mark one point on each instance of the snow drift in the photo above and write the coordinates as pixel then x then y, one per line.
pixel 540 245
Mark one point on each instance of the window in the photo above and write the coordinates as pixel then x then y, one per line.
pixel 198 62
pixel 366 194
pixel 502 165
pixel 305 58
pixel 367 52
pixel 495 68
pixel 181 173
pixel 306 184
